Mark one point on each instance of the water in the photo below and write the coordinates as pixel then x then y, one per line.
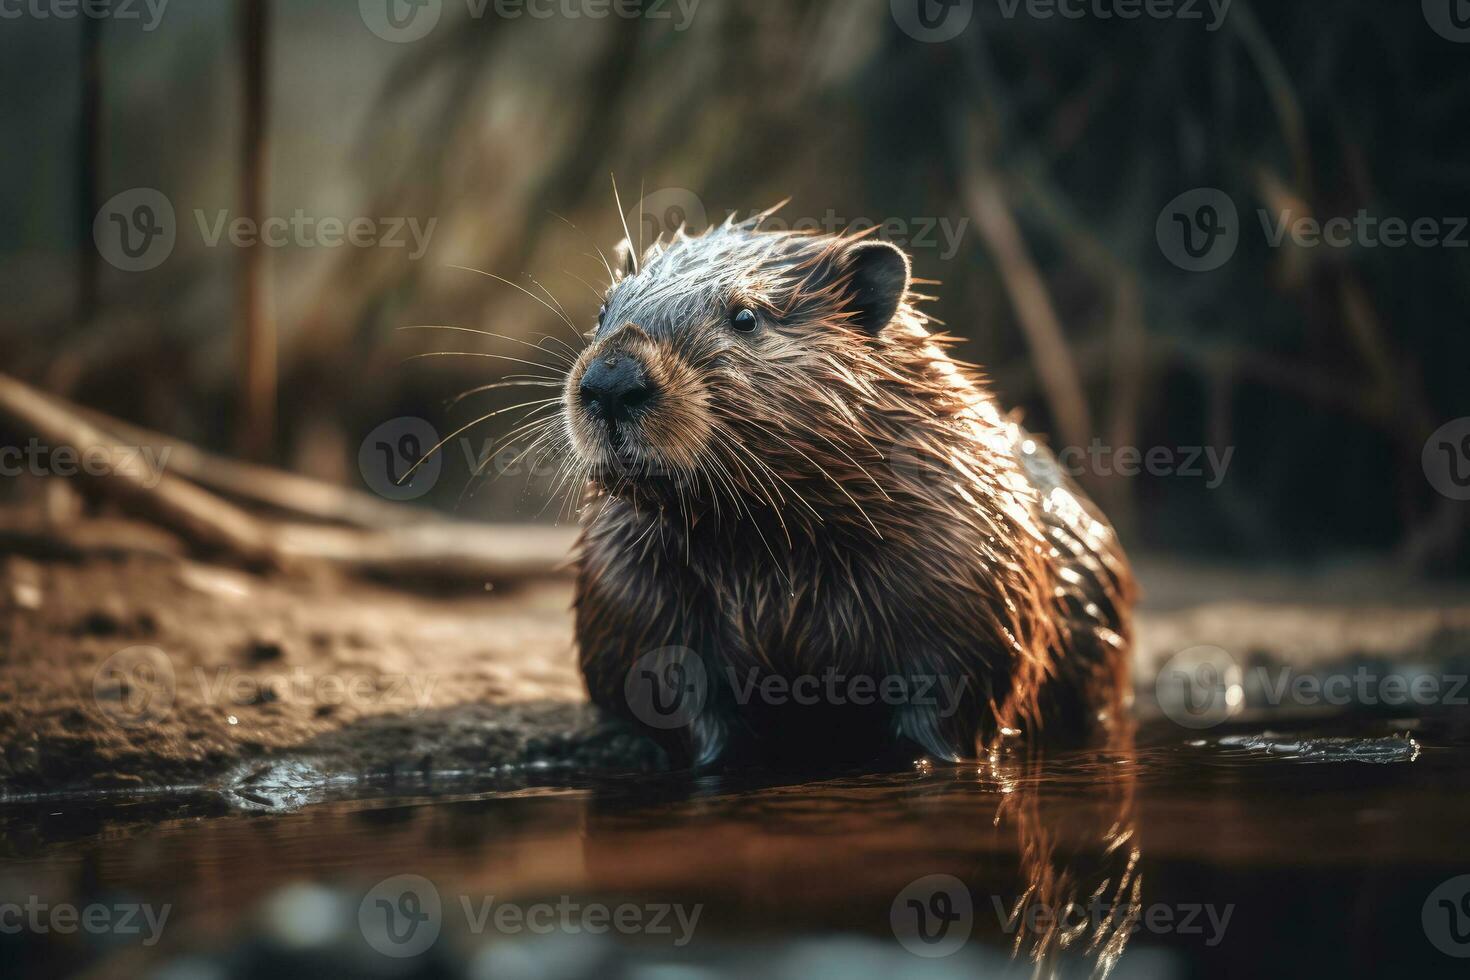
pixel 1244 851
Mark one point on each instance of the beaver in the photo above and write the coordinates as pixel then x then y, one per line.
pixel 801 513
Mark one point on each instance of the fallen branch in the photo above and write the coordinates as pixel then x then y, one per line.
pixel 397 547
pixel 200 518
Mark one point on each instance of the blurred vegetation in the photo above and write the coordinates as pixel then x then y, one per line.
pixel 1055 142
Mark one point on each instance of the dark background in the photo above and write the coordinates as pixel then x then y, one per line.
pixel 1053 143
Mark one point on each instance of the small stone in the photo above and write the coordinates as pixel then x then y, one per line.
pixel 102 621
pixel 265 650
pixel 26 595
pixel 263 695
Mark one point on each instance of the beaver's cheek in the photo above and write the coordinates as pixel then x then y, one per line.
pixel 677 428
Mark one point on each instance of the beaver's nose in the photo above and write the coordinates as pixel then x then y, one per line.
pixel 615 386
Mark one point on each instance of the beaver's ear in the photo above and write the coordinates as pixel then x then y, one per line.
pixel 879 279
pixel 624 260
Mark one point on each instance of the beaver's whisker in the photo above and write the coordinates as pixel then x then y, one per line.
pixel 468 425
pixel 799 451
pixel 531 446
pixel 618 200
pixel 496 336
pixel 760 489
pixel 500 384
pixel 854 462
pixel 642 189
pixel 555 372
pixel 605 263
pixel 517 286
pixel 737 444
pixel 590 288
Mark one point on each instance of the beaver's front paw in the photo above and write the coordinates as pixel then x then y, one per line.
pixel 607 746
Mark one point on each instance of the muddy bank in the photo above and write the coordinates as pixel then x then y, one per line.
pixel 126 665
pixel 132 667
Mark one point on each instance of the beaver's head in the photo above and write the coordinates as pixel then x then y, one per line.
pixel 735 362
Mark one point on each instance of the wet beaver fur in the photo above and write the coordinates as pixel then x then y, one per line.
pixel 790 483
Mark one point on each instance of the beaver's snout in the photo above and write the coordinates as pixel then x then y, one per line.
pixel 614 387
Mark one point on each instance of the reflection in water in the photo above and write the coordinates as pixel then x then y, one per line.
pixel 1083 898
pixel 1050 852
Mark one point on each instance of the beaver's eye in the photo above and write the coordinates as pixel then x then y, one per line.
pixel 601 314
pixel 745 320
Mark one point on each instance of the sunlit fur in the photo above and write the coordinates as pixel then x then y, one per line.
pixel 815 496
